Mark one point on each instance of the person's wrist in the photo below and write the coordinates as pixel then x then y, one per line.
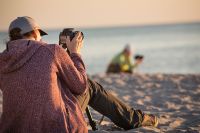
pixel 76 52
pixel 73 51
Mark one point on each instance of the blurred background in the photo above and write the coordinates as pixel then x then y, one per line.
pixel 166 32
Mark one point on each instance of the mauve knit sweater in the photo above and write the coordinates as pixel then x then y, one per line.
pixel 39 82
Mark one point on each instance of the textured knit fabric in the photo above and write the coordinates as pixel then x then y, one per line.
pixel 39 82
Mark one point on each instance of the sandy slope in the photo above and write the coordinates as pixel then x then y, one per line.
pixel 175 99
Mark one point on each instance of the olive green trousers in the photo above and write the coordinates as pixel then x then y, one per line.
pixel 110 106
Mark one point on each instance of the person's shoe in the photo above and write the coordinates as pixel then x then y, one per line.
pixel 149 120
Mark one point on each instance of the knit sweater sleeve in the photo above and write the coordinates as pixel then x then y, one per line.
pixel 72 70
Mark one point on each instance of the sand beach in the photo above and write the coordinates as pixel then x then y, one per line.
pixel 174 98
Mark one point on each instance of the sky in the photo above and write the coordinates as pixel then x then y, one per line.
pixel 51 14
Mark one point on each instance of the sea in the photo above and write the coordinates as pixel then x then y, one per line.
pixel 172 48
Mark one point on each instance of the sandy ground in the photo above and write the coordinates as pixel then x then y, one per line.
pixel 175 99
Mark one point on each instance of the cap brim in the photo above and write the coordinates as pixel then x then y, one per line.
pixel 42 33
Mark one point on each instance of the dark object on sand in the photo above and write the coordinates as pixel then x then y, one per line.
pixel 92 122
pixel 138 57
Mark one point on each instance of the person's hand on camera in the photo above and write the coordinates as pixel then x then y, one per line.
pixel 76 44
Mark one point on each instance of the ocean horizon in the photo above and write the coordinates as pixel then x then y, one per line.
pixel 172 48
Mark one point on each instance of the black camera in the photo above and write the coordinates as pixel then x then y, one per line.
pixel 140 57
pixel 67 32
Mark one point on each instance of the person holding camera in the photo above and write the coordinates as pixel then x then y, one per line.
pixel 122 62
pixel 39 82
pixel 46 89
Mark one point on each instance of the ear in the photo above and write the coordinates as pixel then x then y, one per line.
pixel 34 35
pixel 37 35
